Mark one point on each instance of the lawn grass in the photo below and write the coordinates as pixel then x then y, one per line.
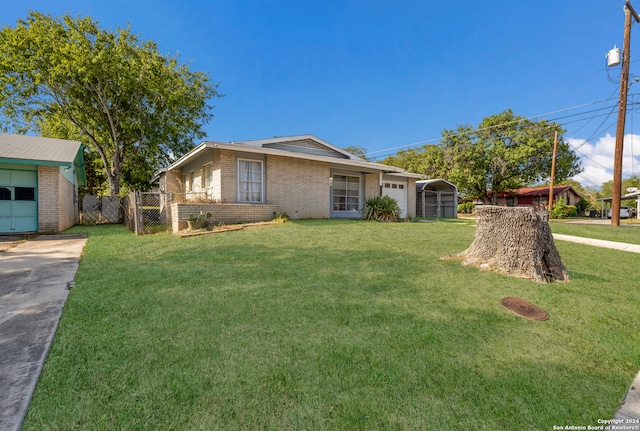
pixel 332 325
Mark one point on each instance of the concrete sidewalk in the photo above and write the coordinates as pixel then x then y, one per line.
pixel 35 277
pixel 634 248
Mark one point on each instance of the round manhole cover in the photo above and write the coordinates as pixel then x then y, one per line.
pixel 524 309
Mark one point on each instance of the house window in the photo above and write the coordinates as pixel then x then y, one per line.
pixel 346 193
pixel 249 180
pixel 188 181
pixel 208 174
pixel 510 201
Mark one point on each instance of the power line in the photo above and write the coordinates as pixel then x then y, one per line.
pixel 419 143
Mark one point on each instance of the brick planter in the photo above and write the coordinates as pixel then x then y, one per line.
pixel 221 213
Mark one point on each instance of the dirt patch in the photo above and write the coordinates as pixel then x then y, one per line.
pixel 10 241
pixel 225 228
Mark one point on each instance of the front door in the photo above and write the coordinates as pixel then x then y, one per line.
pixel 18 201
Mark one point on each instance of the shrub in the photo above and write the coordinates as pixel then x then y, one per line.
pixel 466 208
pixel 381 208
pixel 280 217
pixel 562 210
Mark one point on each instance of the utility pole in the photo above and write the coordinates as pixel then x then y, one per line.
pixel 553 170
pixel 622 114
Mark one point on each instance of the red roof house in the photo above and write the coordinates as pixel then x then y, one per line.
pixel 530 196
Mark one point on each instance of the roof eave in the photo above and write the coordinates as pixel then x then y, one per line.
pixel 373 167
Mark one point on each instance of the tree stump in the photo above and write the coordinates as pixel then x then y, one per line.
pixel 514 241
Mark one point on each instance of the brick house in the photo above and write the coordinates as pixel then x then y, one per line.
pixel 302 176
pixel 529 196
pixel 39 179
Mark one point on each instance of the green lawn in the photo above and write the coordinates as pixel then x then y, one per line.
pixel 332 325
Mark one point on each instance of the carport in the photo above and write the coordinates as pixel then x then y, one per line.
pixel 436 198
pixel 605 207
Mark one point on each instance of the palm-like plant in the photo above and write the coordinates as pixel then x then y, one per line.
pixel 381 208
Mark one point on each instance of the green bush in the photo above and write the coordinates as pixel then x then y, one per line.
pixel 466 208
pixel 381 208
pixel 562 210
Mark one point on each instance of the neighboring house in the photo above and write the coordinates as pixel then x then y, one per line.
pixel 530 196
pixel 436 198
pixel 39 179
pixel 302 176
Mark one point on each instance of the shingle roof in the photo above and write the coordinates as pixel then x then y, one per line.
pixel 35 148
pixel 541 191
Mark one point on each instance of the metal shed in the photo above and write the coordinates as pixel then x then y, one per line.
pixel 436 198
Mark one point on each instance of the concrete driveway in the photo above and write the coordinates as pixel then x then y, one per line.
pixel 35 277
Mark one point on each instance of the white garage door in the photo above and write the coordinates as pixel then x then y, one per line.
pixel 18 204
pixel 398 191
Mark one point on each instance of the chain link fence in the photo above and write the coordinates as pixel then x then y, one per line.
pixel 147 212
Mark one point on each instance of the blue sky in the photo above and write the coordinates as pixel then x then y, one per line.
pixel 389 75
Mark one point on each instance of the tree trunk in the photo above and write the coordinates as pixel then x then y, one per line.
pixel 516 242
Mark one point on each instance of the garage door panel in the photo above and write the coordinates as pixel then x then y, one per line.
pixel 5 208
pixel 24 178
pixel 398 192
pixel 5 178
pixel 18 205
pixel 5 224
pixel 24 209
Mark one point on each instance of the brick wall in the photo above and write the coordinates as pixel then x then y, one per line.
pixel 221 213
pixel 299 187
pixel 67 205
pixel 48 190
pixel 173 182
pixel 371 186
pixel 57 209
pixel 411 197
pixel 227 163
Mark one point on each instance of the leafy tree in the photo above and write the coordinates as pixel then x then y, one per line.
pixel 428 161
pixel 606 191
pixel 504 152
pixel 133 107
pixel 359 151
